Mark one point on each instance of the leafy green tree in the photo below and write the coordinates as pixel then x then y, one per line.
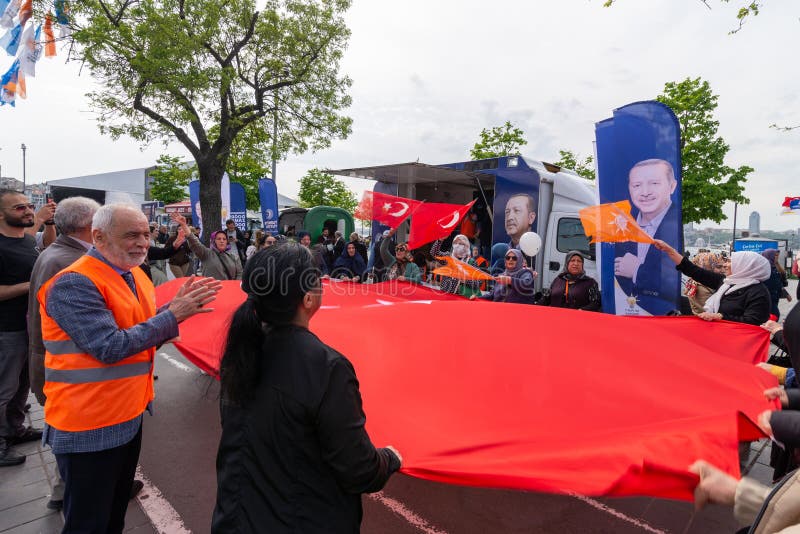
pixel 250 160
pixel 707 181
pixel 171 69
pixel 505 140
pixel 318 188
pixel 572 160
pixel 170 178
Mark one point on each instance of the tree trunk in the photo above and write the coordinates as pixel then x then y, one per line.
pixel 210 198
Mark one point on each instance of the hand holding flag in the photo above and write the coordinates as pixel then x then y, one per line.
pixel 612 223
pixel 460 270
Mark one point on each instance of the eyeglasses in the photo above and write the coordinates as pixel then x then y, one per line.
pixel 22 207
pixel 400 249
pixel 511 258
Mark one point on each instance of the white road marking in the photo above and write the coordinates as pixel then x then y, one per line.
pixel 175 363
pixel 400 509
pixel 616 513
pixel 156 507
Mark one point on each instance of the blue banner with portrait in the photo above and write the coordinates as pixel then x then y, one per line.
pixel 639 160
pixel 268 198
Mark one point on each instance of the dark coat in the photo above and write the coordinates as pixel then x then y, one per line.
pixel 658 284
pixel 749 305
pixel 521 288
pixel 60 254
pixel 583 294
pixel 349 266
pixel 297 458
pixel 361 250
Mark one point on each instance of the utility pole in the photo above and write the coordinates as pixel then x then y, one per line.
pixel 274 141
pixel 24 148
pixel 733 241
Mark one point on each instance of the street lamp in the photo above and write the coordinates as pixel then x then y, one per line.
pixel 24 148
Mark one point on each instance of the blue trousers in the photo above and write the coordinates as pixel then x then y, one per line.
pixel 98 487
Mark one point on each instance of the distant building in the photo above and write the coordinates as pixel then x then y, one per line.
pixel 755 223
pixel 688 227
pixel 131 186
pixel 6 182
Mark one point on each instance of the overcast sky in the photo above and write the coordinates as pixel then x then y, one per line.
pixel 429 75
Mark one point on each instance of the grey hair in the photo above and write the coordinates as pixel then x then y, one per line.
pixel 670 172
pixel 75 214
pixel 104 217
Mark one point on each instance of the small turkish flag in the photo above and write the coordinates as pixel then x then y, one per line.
pixel 434 221
pixel 386 209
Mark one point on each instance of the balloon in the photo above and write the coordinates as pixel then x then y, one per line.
pixel 530 243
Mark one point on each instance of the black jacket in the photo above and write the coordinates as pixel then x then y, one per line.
pixel 583 294
pixel 750 304
pixel 297 458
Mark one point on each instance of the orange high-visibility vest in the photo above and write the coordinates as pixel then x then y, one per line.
pixel 82 392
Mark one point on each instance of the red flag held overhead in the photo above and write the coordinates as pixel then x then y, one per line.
pixel 386 209
pixel 434 221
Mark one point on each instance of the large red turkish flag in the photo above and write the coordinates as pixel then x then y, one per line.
pixel 432 221
pixel 530 397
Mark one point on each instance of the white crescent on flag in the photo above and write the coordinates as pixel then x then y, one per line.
pixel 399 213
pixel 451 223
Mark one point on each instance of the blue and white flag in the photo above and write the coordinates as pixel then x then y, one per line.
pixel 31 50
pixel 8 85
pixel 11 11
pixel 11 40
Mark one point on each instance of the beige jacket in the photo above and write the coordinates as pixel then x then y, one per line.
pixel 219 265
pixel 782 512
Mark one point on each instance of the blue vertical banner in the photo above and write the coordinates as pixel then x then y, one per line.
pixel 639 160
pixel 238 210
pixel 268 198
pixel 194 200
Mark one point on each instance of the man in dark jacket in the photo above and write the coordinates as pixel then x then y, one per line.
pixel 236 240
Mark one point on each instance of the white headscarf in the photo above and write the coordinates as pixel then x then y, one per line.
pixel 747 269
pixel 460 241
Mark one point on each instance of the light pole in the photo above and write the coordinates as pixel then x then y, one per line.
pixel 735 209
pixel 24 148
pixel 274 140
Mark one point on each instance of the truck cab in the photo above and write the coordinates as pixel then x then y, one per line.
pixel 557 194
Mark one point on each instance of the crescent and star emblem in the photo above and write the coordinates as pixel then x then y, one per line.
pixel 400 212
pixel 452 222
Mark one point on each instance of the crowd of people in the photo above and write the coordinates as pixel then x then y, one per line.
pixel 79 328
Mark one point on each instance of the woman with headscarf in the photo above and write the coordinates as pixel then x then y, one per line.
pixel 740 296
pixel 349 266
pixel 572 288
pixel 777 281
pixel 698 293
pixel 218 261
pixel 461 251
pixel 515 284
pixel 401 266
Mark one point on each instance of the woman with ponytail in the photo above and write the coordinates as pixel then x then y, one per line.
pixel 294 455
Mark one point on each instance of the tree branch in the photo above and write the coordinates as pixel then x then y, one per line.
pixel 139 105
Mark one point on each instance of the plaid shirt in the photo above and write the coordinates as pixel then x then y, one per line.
pixel 77 306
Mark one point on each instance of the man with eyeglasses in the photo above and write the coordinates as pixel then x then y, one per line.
pixel 17 255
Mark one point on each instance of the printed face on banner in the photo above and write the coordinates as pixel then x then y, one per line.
pixel 516 199
pixel 651 186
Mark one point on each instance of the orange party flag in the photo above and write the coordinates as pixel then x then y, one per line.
pixel 612 223
pixel 49 39
pixel 460 270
